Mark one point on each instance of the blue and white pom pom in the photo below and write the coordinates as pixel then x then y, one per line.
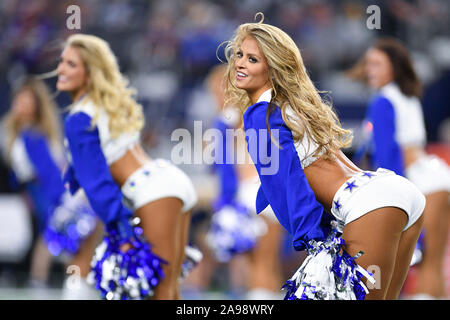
pixel 193 256
pixel 119 275
pixel 328 274
pixel 234 229
pixel 69 224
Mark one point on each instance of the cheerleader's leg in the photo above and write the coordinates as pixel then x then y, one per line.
pixel 186 219
pixel 406 247
pixel 41 262
pixel 430 271
pixel 82 260
pixel 265 275
pixel 377 234
pixel 83 257
pixel 162 224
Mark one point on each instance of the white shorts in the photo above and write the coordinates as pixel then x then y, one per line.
pixel 246 194
pixel 368 190
pixel 430 174
pixel 156 180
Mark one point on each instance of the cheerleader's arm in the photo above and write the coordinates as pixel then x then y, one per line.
pixel 387 153
pixel 47 172
pixel 284 185
pixel 92 172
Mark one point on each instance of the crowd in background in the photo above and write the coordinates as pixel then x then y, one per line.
pixel 167 47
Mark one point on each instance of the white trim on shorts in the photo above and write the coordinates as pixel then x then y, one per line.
pixel 430 174
pixel 368 190
pixel 155 180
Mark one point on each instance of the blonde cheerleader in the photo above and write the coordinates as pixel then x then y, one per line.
pixel 120 180
pixel 295 141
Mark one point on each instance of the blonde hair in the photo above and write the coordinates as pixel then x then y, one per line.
pixel 216 83
pixel 291 86
pixel 107 88
pixel 46 121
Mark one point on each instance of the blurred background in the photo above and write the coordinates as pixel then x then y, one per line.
pixel 166 49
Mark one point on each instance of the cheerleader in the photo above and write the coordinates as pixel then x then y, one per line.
pixel 294 139
pixel 239 184
pixel 399 140
pixel 109 163
pixel 34 151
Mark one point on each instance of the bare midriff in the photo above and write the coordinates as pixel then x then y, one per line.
pixel 325 177
pixel 132 160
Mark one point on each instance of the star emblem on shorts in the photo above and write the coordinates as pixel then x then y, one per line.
pixel 350 186
pixel 367 174
pixel 337 205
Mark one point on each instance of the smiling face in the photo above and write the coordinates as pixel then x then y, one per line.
pixel 72 74
pixel 252 70
pixel 378 68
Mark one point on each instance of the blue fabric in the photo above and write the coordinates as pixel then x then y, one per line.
pixel 69 179
pixel 91 172
pixel 47 188
pixel 13 181
pixel 386 151
pixel 42 206
pixel 285 186
pixel 47 172
pixel 224 167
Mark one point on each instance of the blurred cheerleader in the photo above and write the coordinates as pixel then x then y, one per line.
pixel 35 154
pixel 399 140
pixel 379 213
pixel 239 185
pixel 109 163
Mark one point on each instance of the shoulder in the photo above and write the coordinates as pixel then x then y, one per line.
pixel 32 134
pixel 75 120
pixel 256 115
pixel 77 123
pixel 398 100
pixel 256 109
pixel 391 91
pixel 85 106
pixel 380 103
pixel 33 137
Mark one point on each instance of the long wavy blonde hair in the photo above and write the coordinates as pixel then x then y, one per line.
pixel 46 120
pixel 107 87
pixel 291 86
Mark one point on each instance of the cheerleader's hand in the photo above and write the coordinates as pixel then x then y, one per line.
pixel 124 266
pixel 120 231
pixel 125 247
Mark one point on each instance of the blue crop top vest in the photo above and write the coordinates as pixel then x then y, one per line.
pixel 89 170
pixel 286 189
pixel 35 165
